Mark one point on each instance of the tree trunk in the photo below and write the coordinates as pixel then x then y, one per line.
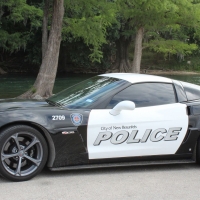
pixel 138 51
pixel 2 71
pixel 44 83
pixel 121 63
pixel 45 28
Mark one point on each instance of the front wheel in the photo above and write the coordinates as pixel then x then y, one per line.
pixel 23 153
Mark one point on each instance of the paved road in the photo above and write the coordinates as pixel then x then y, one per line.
pixel 146 183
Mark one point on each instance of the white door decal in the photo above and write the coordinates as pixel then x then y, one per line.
pixel 155 130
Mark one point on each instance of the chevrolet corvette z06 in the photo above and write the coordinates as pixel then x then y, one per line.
pixel 117 119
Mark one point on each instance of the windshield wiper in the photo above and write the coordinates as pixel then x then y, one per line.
pixel 53 103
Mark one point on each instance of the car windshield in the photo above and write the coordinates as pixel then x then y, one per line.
pixel 84 94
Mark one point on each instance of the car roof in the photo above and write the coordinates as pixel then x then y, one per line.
pixel 138 78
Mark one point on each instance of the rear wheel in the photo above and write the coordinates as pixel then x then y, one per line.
pixel 23 153
pixel 198 151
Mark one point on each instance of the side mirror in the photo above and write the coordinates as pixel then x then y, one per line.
pixel 123 105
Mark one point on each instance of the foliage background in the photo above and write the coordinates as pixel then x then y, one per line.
pixel 90 30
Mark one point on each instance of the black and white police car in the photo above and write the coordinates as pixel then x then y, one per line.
pixel 117 119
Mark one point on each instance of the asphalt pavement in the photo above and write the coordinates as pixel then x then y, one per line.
pixel 168 182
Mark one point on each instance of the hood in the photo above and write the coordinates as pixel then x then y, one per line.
pixel 14 104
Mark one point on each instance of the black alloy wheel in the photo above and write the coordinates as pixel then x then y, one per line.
pixel 23 153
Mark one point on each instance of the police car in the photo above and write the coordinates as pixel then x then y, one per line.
pixel 117 119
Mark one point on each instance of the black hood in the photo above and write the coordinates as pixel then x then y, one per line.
pixel 14 104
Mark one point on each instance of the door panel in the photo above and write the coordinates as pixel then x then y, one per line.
pixel 155 130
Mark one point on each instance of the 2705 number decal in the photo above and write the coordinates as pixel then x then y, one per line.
pixel 58 117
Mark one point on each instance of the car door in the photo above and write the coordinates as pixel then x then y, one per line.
pixel 157 126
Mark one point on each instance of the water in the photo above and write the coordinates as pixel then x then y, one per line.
pixel 195 79
pixel 13 85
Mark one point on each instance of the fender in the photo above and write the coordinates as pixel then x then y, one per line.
pixel 54 123
pixel 23 120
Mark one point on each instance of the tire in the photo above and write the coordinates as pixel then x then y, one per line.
pixel 198 152
pixel 23 153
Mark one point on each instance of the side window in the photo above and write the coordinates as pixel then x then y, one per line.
pixel 192 91
pixel 146 94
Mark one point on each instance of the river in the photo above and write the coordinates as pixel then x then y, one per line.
pixel 12 85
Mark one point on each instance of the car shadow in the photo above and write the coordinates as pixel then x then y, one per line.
pixel 128 169
pixel 46 173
